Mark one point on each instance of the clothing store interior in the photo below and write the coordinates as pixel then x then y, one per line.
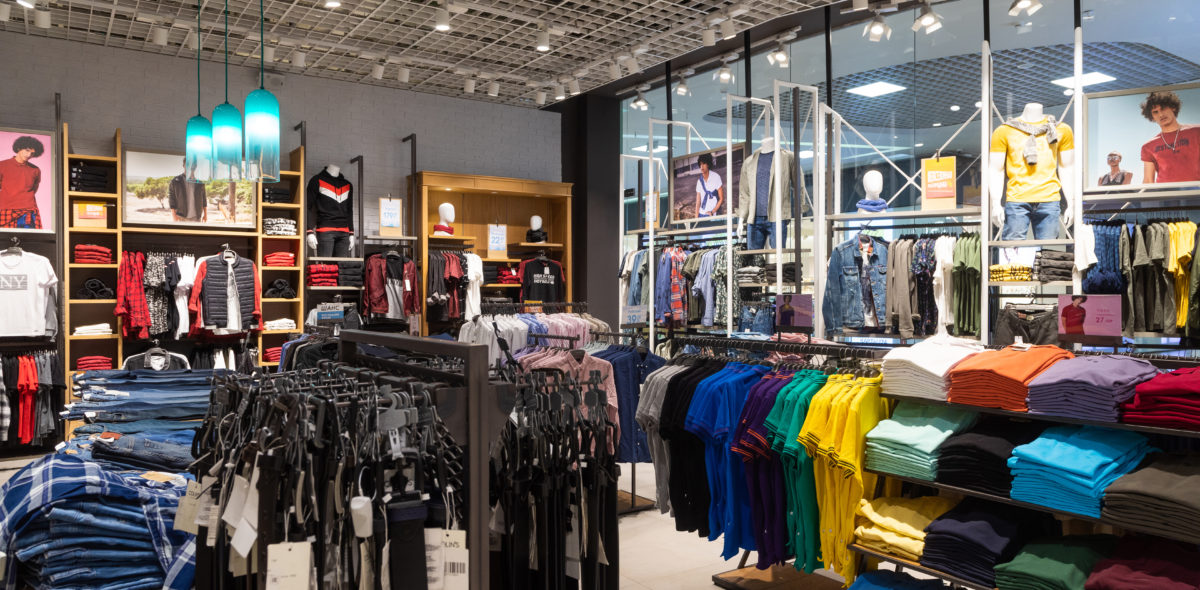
pixel 534 295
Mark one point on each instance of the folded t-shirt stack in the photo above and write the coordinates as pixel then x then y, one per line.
pixel 970 539
pixel 93 330
pixel 91 178
pixel 277 193
pixel 280 289
pixel 890 580
pixel 897 525
pixel 94 288
pixel 1053 265
pixel 977 458
pixel 92 254
pixel 322 275
pixel 507 275
pixel 1088 387
pixel 1000 273
pixel 1069 467
pixel 279 259
pixel 491 274
pixel 750 275
pixel 920 370
pixel 1162 495
pixel 280 324
pixel 279 226
pixel 1149 563
pixel 350 273
pixel 1057 563
pixel 1169 400
pixel 1000 378
pixel 907 443
pixel 789 272
pixel 273 354
pixel 93 363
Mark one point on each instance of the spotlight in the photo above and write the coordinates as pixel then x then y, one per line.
pixel 193 39
pixel 681 89
pixel 727 29
pixel 640 103
pixel 573 87
pixel 442 22
pixel 299 59
pixel 268 53
pixel 493 88
pixel 158 36
pixel 41 19
pixel 632 65
pixel 5 12
pixel 954 108
pixel 708 37
pixel 332 4
pixel 1028 6
pixel 614 71
pixel 559 92
pixel 469 86
pixel 540 97
pixel 543 40
pixel 27 4
pixel 877 29
pixel 377 71
pixel 856 5
pixel 725 75
pixel 778 57
pixel 403 74
pixel 927 19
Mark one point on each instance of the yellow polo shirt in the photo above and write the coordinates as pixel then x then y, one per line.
pixel 1031 184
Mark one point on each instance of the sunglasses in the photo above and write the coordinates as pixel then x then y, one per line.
pixel 1114 157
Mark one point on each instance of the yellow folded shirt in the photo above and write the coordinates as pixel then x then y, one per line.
pixel 889 542
pixel 906 516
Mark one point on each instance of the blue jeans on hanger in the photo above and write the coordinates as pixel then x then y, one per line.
pixel 1019 216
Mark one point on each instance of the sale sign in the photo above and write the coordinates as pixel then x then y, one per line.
pixel 939 183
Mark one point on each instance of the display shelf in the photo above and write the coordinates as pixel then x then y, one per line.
pixel 193 233
pixel 280 300
pixel 268 364
pixel 106 196
pixel 1029 243
pixel 269 237
pixel 267 205
pixel 94 337
pixel 1154 192
pixel 1057 419
pixel 333 259
pixel 1030 284
pixel 536 245
pixel 912 565
pixel 452 238
pixel 93 230
pixel 296 330
pixel 78 265
pixel 501 286
pixel 89 158
pixel 266 268
pixel 961 212
pixel 379 238
pixel 328 288
pixel 501 260
pixel 291 173
pixel 92 301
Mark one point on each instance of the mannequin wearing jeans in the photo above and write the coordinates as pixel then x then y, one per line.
pixel 1038 156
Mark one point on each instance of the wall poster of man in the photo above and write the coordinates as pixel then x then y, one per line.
pixel 27 180
pixel 703 185
pixel 1143 136
pixel 158 193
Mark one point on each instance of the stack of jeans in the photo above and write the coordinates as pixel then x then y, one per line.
pixel 142 394
pixel 165 450
pixel 759 319
pixel 69 523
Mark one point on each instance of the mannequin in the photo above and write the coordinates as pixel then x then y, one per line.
pixel 873 187
pixel 1036 171
pixel 445 218
pixel 330 204
pixel 535 234
pixel 756 203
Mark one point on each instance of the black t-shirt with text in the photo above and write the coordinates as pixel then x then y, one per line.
pixel 542 281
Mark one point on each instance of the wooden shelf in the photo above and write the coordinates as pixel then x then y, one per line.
pixel 92 230
pixel 268 364
pixel 535 245
pixel 88 158
pixel 295 330
pixel 326 288
pixel 278 300
pixel 266 237
pixel 379 238
pixel 267 267
pixel 95 337
pixel 192 232
pixel 107 196
pixel 74 265
pixel 91 301
pixel 267 205
pixel 957 581
pixel 502 286
pixel 453 238
pixel 295 173
pixel 501 260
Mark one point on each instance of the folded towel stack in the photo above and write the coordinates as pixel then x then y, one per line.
pixel 350 273
pixel 93 330
pixel 322 275
pixel 93 363
pixel 280 289
pixel 95 289
pixel 280 324
pixel 279 259
pixel 92 254
pixel 279 226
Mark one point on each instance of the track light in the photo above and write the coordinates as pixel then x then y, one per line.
pixel 725 75
pixel 5 12
pixel 632 65
pixel 927 19
pixel 332 4
pixel 540 97
pixel 493 88
pixel 728 31
pixel 708 37
pixel 543 40
pixel 877 29
pixel 27 4
pixel 442 22
pixel 640 103
pixel 1029 6
pixel 377 71
pixel 573 87
pixel 268 52
pixel 299 59
pixel 402 75
pixel 778 57
pixel 559 92
pixel 681 89
pixel 856 5
pixel 41 18
pixel 469 86
pixel 193 40
pixel 614 71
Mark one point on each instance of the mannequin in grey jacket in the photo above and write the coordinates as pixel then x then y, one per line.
pixel 748 187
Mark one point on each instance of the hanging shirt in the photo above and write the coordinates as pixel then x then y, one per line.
pixel 26 280
pixel 542 280
pixel 762 186
pixel 474 278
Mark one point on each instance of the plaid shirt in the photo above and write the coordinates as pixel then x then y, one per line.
pixel 59 478
pixel 21 218
pixel 131 296
pixel 678 286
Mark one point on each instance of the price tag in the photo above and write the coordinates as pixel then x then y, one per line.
pixel 390 212
pixel 435 563
pixel 289 566
pixel 497 241
pixel 185 515
pixel 457 558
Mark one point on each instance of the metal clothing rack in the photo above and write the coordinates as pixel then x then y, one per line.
pixel 633 495
pixel 832 350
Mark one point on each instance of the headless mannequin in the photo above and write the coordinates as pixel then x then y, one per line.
pixel 445 217
pixel 535 234
pixel 767 146
pixel 311 239
pixel 872 185
pixel 996 170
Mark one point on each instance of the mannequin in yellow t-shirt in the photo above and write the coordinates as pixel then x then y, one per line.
pixel 1037 154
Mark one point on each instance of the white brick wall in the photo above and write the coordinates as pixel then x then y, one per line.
pixel 150 97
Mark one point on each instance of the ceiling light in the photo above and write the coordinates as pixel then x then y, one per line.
pixel 5 12
pixel 1069 92
pixel 859 5
pixel 403 75
pixel 469 86
pixel 197 158
pixel 227 128
pixel 877 29
pixel 41 19
pixel 332 4
pixel 158 36
pixel 937 124
pixel 725 74
pixel 262 120
pixel 805 154
pixel 875 89
pixel 559 92
pixel 543 40
pixel 640 102
pixel 681 89
pixel 708 37
pixel 540 97
pixel 979 104
pixel 728 31
pixel 573 87
pixel 1029 6
pixel 27 4
pixel 918 145
pixel 614 71
pixel 778 56
pixel 442 22
pixel 632 65
pixel 927 19
pixel 493 88
pixel 299 59
pixel 955 108
pixel 1085 80
pixel 377 71
pixel 268 53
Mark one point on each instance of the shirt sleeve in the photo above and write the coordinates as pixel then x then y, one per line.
pixel 1066 138
pixel 1147 154
pixel 1000 141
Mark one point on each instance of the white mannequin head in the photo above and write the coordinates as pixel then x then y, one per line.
pixel 445 214
pixel 768 145
pixel 1033 113
pixel 333 169
pixel 535 222
pixel 873 184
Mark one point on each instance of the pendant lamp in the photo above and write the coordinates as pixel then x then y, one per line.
pixel 227 128
pixel 262 122
pixel 198 164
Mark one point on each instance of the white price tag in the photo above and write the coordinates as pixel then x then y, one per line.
pixel 289 566
pixel 457 557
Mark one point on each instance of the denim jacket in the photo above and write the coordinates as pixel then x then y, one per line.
pixel 843 304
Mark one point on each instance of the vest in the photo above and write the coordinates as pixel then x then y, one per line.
pixel 214 297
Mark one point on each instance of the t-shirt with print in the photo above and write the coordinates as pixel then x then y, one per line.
pixel 707 188
pixel 1181 164
pixel 25 283
pixel 1037 183
pixel 543 281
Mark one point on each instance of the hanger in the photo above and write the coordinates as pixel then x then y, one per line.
pixel 14 249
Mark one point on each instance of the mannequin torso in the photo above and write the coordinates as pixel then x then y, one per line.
pixel 1026 152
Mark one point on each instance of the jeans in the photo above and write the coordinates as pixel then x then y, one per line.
pixel 106 524
pixel 157 451
pixel 761 231
pixel 333 243
pixel 135 427
pixel 1018 216
pixel 102 575
pixel 758 319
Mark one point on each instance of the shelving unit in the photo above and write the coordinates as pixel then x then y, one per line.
pixel 275 308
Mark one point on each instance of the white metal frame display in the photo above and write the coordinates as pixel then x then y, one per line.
pixel 653 165
pixel 816 205
pixel 772 126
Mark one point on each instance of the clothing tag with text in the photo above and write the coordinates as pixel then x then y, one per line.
pixel 289 566
pixel 185 515
pixel 454 551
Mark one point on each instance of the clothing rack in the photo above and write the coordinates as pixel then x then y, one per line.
pixel 633 496
pixel 958 224
pixel 777 346
pixel 570 339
